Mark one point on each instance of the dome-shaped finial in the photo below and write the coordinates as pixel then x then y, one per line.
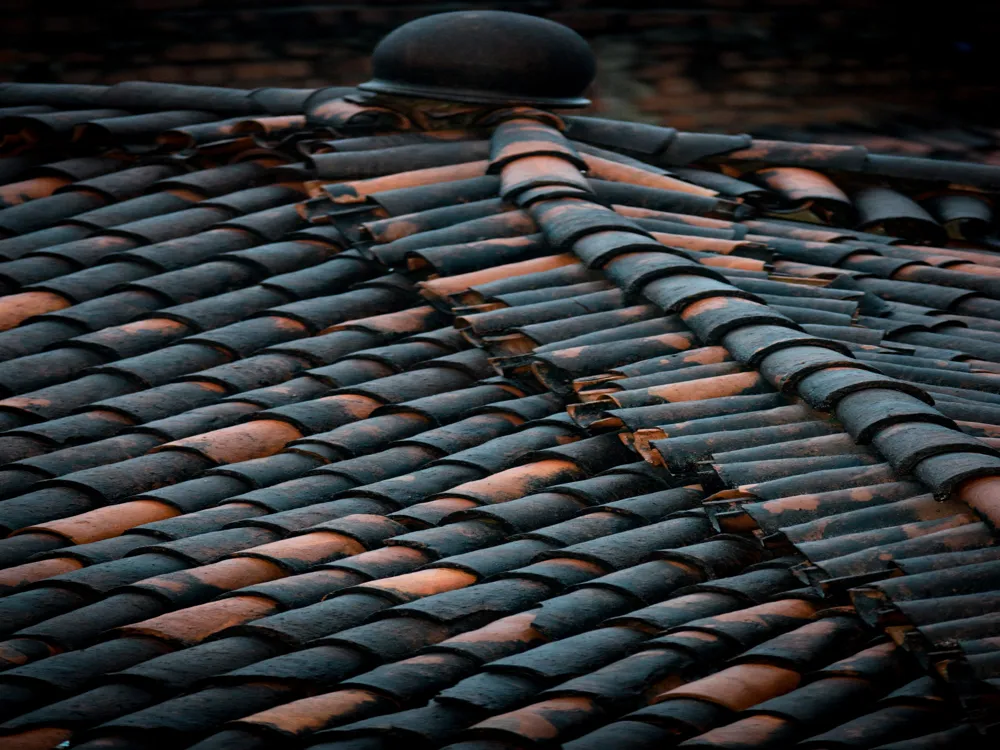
pixel 484 57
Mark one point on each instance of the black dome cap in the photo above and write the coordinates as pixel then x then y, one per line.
pixel 484 57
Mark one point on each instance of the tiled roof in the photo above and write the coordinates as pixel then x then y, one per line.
pixel 323 426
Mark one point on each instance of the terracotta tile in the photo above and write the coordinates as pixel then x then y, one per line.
pixel 635 733
pixel 18 193
pixel 496 639
pixel 796 509
pixel 337 112
pixel 405 200
pixel 489 692
pixel 17 550
pixel 308 715
pixel 721 386
pixel 928 563
pixel 300 552
pixel 941 611
pixel 956 536
pixel 458 538
pixel 810 646
pixel 354 165
pixel 660 200
pixel 516 138
pixel 107 522
pixel 826 446
pixel 240 442
pixel 603 169
pixel 197 712
pixel 702 435
pixel 20 307
pixel 713 559
pixel 517 482
pixel 93 706
pixel 865 412
pixel 739 687
pixel 761 730
pixel 299 626
pixel 584 528
pixel 527 172
pixel 359 190
pixel 197 584
pixel 629 547
pixel 449 260
pixel 13 248
pixel 40 213
pixel 394 228
pixel 634 136
pixel 497 321
pixel 194 624
pixel 462 282
pixel 373 433
pixel 38 739
pixel 527 513
pixel 19 576
pixel 979 494
pixel 542 721
pixel 943 474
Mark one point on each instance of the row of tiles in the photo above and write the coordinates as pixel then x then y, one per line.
pixel 478 498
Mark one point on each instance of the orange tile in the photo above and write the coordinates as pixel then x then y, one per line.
pixel 541 721
pixel 752 731
pixel 308 548
pixel 739 687
pixel 700 390
pixel 538 170
pixel 30 572
pixel 635 212
pixel 18 307
pixel 517 628
pixel 225 575
pixel 17 193
pixel 605 169
pixel 192 625
pixel 516 482
pixel 730 261
pixel 983 496
pixel 801 184
pixel 44 738
pixel 453 284
pixel 241 442
pixel 107 522
pixel 359 190
pixel 422 582
pixel 320 711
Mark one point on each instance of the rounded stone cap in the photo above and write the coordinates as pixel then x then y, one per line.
pixel 484 57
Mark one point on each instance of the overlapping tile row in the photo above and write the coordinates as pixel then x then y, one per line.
pixel 528 432
pixel 760 456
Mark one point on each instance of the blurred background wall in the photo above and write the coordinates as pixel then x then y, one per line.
pixel 726 65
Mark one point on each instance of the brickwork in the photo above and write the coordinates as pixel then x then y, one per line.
pixel 700 64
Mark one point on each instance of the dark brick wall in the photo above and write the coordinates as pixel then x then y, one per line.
pixel 709 64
